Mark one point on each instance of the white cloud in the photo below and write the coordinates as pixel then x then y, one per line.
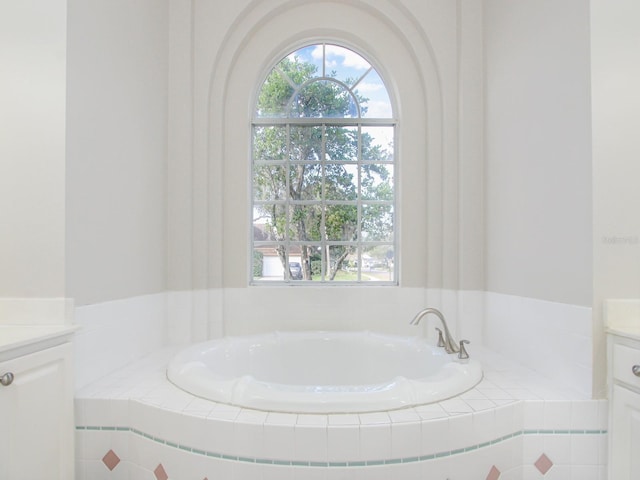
pixel 378 109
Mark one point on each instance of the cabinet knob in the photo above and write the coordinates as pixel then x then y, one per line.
pixel 636 370
pixel 7 379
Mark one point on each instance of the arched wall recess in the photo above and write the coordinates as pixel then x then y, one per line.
pixel 399 49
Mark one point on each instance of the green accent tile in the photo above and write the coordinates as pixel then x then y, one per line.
pixel 123 429
pixel 93 428
pixel 246 459
pixel 410 459
pixel 108 429
pixel 169 444
pixel 375 462
pixel 282 462
pixel 393 461
pixel 336 464
pixel 485 444
pixel 357 464
pixel 427 457
pixel 561 432
pixel 265 461
pixel 185 448
pixel 592 432
pixel 300 464
pixel 470 449
pixel 458 451
pixel 214 455
pixel 321 464
pixel 443 454
pixel 199 452
pixel 229 457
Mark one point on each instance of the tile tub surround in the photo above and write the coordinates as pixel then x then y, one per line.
pixel 514 425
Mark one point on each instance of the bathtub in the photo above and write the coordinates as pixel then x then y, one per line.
pixel 322 372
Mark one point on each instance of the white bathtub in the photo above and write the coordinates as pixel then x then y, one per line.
pixel 322 372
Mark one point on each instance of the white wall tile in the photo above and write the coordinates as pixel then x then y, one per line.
pixel 552 338
pixel 584 449
pixel 406 439
pixel 375 442
pixel 343 443
pixel 311 443
pixel 279 441
pixel 112 334
pixel 557 415
pixel 436 436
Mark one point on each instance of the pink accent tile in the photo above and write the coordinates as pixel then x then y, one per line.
pixel 543 464
pixel 111 460
pixel 160 473
pixel 494 474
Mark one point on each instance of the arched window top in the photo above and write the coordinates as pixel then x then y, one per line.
pixel 300 85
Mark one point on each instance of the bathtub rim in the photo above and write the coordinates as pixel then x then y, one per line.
pixel 453 379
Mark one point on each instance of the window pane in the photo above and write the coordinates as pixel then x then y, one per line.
pixel 377 223
pixel 269 143
pixel 274 96
pixel 377 144
pixel 373 97
pixel 269 222
pixel 305 223
pixel 303 64
pixel 305 181
pixel 341 222
pixel 266 263
pixel 305 144
pixel 341 144
pixel 324 98
pixel 341 182
pixel 269 182
pixel 339 269
pixel 377 264
pixel 377 182
pixel 343 64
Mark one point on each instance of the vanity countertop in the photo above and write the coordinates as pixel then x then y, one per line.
pixel 16 340
pixel 628 331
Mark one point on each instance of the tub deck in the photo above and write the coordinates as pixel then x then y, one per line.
pixel 514 422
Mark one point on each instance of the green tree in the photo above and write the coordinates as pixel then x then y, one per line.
pixel 306 179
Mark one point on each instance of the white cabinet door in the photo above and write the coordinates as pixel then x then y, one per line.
pixel 625 435
pixel 36 423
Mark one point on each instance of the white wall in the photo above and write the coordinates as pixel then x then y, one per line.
pixel 538 187
pixel 32 148
pixel 615 71
pixel 117 149
pixel 538 150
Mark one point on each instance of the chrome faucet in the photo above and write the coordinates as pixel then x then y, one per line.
pixel 447 342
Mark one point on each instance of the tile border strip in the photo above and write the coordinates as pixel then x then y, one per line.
pixel 343 464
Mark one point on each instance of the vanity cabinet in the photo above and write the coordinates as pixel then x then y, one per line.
pixel 36 403
pixel 624 407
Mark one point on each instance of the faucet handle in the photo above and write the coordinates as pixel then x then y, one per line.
pixel 440 338
pixel 463 354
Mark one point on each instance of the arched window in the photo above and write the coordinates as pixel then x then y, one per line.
pixel 323 157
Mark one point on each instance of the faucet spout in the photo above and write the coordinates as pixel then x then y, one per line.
pixel 450 345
